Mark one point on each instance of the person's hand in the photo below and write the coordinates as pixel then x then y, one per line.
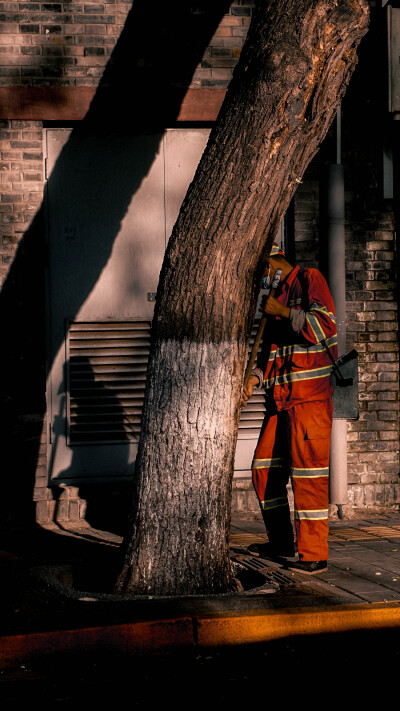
pixel 273 307
pixel 248 390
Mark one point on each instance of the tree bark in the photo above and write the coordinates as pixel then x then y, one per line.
pixel 292 74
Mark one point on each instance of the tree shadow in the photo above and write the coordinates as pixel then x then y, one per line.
pixel 96 414
pixel 141 91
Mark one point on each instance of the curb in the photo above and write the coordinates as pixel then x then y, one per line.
pixel 255 627
pixel 196 632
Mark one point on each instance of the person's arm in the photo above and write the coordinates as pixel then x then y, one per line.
pixel 317 323
pixel 297 317
pixel 273 307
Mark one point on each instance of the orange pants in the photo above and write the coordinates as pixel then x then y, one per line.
pixel 296 443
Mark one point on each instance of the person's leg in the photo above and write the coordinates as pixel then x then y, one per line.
pixel 270 470
pixel 310 425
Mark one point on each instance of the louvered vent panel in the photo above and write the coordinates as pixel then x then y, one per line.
pixel 107 374
pixel 252 416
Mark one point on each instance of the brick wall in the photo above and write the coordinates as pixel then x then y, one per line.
pixel 372 329
pixel 372 326
pixel 22 355
pixel 372 295
pixel 70 43
pixel 372 300
pixel 58 43
pixel 221 57
pixel 21 176
pixel 371 270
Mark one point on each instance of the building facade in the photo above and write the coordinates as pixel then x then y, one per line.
pixel 105 109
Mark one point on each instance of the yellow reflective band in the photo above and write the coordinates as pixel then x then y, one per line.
pixel 301 349
pixel 278 503
pixel 298 473
pixel 316 515
pixel 315 327
pixel 267 463
pixel 300 375
pixel 323 310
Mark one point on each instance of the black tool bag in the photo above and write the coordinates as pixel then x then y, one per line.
pixel 344 379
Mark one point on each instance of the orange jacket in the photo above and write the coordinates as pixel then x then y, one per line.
pixel 296 366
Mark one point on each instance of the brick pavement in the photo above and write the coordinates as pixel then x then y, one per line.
pixel 364 560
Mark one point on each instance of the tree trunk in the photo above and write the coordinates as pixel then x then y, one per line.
pixel 292 74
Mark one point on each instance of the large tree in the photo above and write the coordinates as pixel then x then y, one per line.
pixel 292 74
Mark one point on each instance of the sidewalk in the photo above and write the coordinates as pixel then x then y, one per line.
pixel 44 612
pixel 364 561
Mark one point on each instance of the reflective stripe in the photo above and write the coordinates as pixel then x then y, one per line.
pixel 315 326
pixel 300 375
pixel 274 503
pixel 315 515
pixel 298 348
pixel 275 463
pixel 315 323
pixel 324 310
pixel 276 249
pixel 309 473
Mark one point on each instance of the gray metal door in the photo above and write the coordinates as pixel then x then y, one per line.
pixel 112 201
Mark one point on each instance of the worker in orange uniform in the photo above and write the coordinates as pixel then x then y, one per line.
pixel 294 369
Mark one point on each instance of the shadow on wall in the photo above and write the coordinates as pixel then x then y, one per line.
pixel 141 91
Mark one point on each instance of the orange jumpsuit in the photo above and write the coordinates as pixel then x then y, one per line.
pixel 295 438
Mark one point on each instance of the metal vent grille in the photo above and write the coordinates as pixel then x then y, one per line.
pixel 252 417
pixel 107 373
pixel 107 363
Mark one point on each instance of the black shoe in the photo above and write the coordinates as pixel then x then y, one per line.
pixel 266 550
pixel 309 567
